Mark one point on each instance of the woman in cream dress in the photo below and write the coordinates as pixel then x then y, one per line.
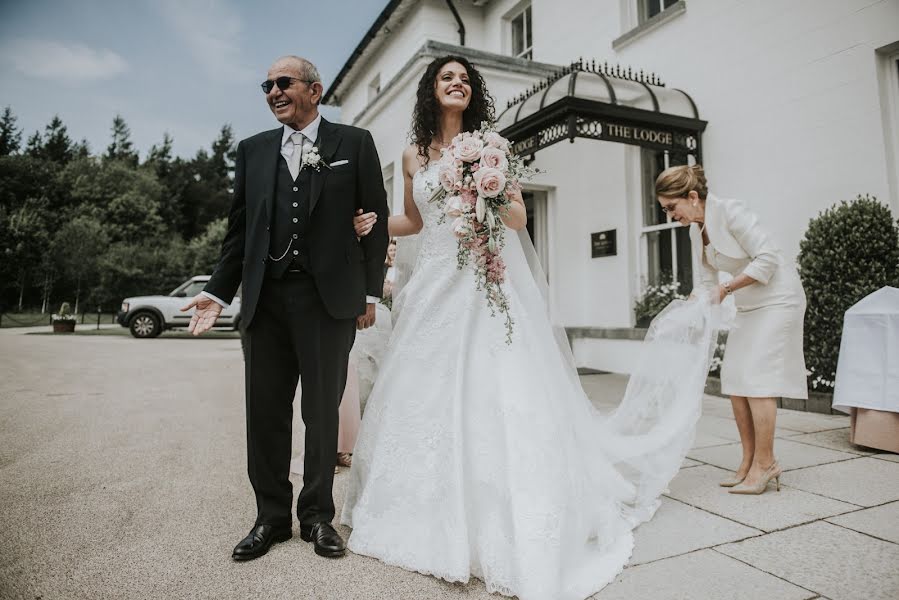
pixel 764 358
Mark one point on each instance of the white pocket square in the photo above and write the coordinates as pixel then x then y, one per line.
pixel 338 163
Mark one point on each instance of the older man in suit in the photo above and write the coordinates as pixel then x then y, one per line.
pixel 308 283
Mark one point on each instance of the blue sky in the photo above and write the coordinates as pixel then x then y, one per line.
pixel 182 66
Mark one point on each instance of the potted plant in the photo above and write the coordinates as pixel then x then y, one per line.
pixel 64 322
pixel 654 299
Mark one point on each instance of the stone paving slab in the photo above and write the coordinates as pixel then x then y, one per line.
pixel 880 522
pixel 864 481
pixel 828 559
pixel 716 406
pixel 688 462
pixel 806 422
pixel 705 574
pixel 719 427
pixel 678 529
pixel 698 486
pixel 889 457
pixel 835 439
pixel 790 455
pixel 704 440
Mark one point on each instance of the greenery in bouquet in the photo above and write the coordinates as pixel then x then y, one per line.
pixel 477 173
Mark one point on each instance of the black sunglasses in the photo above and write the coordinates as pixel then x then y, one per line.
pixel 282 82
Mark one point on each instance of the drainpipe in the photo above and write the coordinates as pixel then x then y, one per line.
pixel 459 21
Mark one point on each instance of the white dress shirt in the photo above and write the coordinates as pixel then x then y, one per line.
pixel 287 150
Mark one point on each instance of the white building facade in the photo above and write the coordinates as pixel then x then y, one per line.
pixel 791 106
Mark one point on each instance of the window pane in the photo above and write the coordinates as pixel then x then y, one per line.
pixel 684 260
pixel 670 3
pixel 518 35
pixel 653 7
pixel 658 244
pixel 528 40
pixel 195 288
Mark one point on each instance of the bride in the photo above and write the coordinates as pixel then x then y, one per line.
pixel 478 457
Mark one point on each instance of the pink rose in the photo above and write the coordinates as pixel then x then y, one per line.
pixel 495 140
pixel 469 149
pixel 490 182
pixel 494 158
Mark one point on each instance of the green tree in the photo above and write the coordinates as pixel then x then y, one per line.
pixel 204 249
pixel 10 135
pixel 121 148
pixel 24 246
pixel 57 145
pixel 76 248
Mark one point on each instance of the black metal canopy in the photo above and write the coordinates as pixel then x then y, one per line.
pixel 607 103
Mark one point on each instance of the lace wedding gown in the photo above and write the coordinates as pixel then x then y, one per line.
pixel 478 457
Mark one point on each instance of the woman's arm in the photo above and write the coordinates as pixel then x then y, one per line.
pixel 515 216
pixel 408 223
pixel 755 241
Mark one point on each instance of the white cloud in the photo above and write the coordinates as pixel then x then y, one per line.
pixel 211 30
pixel 75 63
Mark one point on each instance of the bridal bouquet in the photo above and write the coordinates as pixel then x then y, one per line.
pixel 477 173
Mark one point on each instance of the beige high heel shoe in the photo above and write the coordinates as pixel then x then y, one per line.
pixel 735 480
pixel 773 472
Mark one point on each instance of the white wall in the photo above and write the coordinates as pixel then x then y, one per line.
pixel 790 92
pixel 588 195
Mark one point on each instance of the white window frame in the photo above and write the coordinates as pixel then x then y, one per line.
pixel 541 225
pixel 374 87
pixel 387 175
pixel 888 71
pixel 527 17
pixel 645 230
pixel 643 9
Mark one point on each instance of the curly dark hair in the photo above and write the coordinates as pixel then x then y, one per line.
pixel 426 116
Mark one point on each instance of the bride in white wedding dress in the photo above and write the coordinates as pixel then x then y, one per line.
pixel 478 457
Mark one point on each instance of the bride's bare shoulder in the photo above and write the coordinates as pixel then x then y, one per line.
pixel 412 161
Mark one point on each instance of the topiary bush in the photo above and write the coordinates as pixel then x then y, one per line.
pixel 849 251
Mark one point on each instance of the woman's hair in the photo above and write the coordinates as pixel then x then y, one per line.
pixel 677 182
pixel 426 116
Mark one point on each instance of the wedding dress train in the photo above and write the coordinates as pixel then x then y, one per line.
pixel 478 457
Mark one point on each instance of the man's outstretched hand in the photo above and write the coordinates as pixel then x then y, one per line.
pixel 207 311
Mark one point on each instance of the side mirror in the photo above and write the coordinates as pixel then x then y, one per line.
pixel 181 295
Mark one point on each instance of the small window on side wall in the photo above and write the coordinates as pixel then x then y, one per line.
pixel 522 38
pixel 650 8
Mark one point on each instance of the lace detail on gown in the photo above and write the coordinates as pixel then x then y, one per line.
pixel 480 458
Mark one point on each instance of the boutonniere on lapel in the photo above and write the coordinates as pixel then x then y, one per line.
pixel 311 158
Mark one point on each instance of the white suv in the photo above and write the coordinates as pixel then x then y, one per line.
pixel 148 316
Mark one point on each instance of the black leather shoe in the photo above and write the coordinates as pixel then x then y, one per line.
pixel 327 541
pixel 259 540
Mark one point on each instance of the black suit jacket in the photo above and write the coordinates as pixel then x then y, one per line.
pixel 345 269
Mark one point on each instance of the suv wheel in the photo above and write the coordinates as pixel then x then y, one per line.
pixel 145 325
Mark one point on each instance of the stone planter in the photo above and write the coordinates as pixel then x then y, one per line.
pixel 63 325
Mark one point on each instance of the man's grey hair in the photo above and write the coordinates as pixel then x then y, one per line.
pixel 308 72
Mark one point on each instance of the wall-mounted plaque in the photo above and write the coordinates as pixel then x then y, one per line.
pixel 603 243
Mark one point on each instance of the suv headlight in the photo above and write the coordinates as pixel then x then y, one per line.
pixel 124 307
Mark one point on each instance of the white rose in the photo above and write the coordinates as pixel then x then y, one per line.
pixel 495 140
pixel 469 149
pixel 453 206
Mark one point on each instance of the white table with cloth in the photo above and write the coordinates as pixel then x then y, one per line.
pixel 867 379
